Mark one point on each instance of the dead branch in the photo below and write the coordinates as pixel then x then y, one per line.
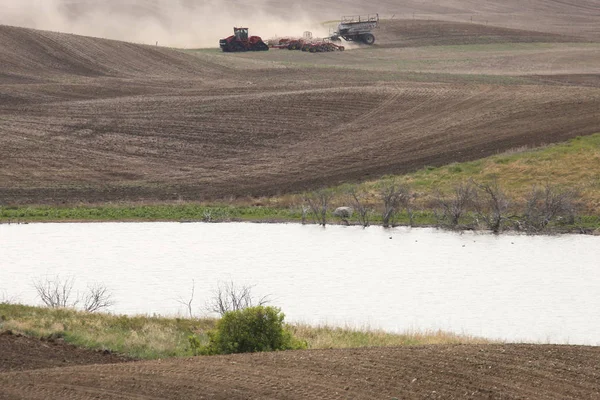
pixel 319 204
pixel 188 303
pixel 395 197
pixel 97 297
pixel 229 297
pixel 453 207
pixel 358 200
pixel 491 205
pixel 55 293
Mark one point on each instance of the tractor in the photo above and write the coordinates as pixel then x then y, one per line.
pixel 240 41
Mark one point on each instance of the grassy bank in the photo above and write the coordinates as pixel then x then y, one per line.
pixel 574 165
pixel 191 212
pixel 152 337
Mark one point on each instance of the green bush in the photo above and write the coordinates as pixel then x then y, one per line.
pixel 250 330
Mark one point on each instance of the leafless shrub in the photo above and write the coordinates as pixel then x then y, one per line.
pixel 358 200
pixel 453 207
pixel 395 197
pixel 6 299
pixel 229 297
pixel 188 303
pixel 319 204
pixel 97 298
pixel 207 216
pixel 548 204
pixel 491 205
pixel 56 293
pixel 215 215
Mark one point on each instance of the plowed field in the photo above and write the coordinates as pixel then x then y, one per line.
pixel 95 120
pixel 431 372
pixel 21 353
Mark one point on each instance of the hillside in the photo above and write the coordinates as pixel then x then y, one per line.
pixel 199 23
pixel 415 372
pixel 95 120
pixel 418 33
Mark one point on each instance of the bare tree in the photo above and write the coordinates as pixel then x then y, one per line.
pixel 491 205
pixel 395 197
pixel 97 297
pixel 229 297
pixel 455 206
pixel 188 303
pixel 56 293
pixel 358 200
pixel 319 204
pixel 548 204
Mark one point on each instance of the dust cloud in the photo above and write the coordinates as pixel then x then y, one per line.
pixel 176 23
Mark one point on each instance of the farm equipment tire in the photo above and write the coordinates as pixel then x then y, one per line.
pixel 260 46
pixel 368 38
pixel 236 47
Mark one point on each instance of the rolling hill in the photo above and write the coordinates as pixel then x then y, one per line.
pixel 93 120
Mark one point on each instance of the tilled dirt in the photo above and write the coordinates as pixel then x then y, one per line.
pixel 93 120
pixel 427 372
pixel 417 33
pixel 21 353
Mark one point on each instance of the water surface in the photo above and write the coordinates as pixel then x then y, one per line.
pixel 511 287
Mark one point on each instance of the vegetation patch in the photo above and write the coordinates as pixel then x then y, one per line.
pixel 250 330
pixel 153 337
pixel 188 212
pixel 567 167
pixel 574 164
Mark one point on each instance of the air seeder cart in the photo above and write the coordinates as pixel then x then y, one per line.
pixel 357 28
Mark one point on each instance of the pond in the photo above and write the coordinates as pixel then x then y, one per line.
pixel 509 287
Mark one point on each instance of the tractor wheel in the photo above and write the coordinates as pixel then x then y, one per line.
pixel 368 38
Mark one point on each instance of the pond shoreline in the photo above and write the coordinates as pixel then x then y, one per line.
pixel 550 231
pixel 393 279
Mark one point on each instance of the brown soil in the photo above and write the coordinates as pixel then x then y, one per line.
pixel 93 120
pixel 430 372
pixel 416 33
pixel 21 353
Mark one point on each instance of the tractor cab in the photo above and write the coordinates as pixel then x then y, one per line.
pixel 241 34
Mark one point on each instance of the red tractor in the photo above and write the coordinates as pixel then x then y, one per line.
pixel 240 41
